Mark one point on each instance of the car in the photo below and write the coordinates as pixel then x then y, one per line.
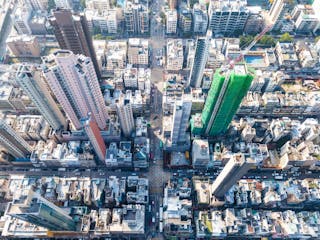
pixel 264 177
pixel 155 117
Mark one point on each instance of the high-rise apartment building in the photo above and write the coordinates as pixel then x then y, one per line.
pixel 236 167
pixel 228 18
pixel 200 19
pixel 72 33
pixel 112 21
pixel 305 18
pixel 223 100
pixel 33 84
pixel 181 115
pixel 199 61
pixel 136 17
pixel 73 81
pixel 95 138
pixel 13 142
pixel 37 210
pixel 171 21
pixel 185 21
pixel 125 114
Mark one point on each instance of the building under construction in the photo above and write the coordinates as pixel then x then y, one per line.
pixel 223 100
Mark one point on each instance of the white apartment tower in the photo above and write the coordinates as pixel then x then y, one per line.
pixel 33 84
pixel 200 19
pixel 112 23
pixel 125 114
pixel 228 18
pixel 171 21
pixel 21 19
pixel 136 17
pixel 75 84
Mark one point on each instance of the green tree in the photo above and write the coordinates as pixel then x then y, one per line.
pixel 286 38
pixel 267 40
pixel 245 40
pixel 98 37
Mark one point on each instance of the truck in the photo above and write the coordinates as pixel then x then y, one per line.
pixel 61 169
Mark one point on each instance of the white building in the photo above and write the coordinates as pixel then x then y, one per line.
pixel 200 19
pixel 228 17
pixel 171 21
pixel 306 20
pixel 130 77
pixel 21 19
pixel 174 54
pixel 125 114
pixel 136 17
pixel 116 55
pixel 200 153
pixel 112 22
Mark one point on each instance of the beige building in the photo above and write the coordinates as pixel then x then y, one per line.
pixel 24 46
pixel 138 51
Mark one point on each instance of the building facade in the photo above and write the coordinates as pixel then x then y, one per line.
pixel 72 33
pixel 32 82
pixel 37 210
pixel 73 81
pixel 228 18
pixel 223 100
pixel 13 142
pixel 199 61
pixel 236 167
